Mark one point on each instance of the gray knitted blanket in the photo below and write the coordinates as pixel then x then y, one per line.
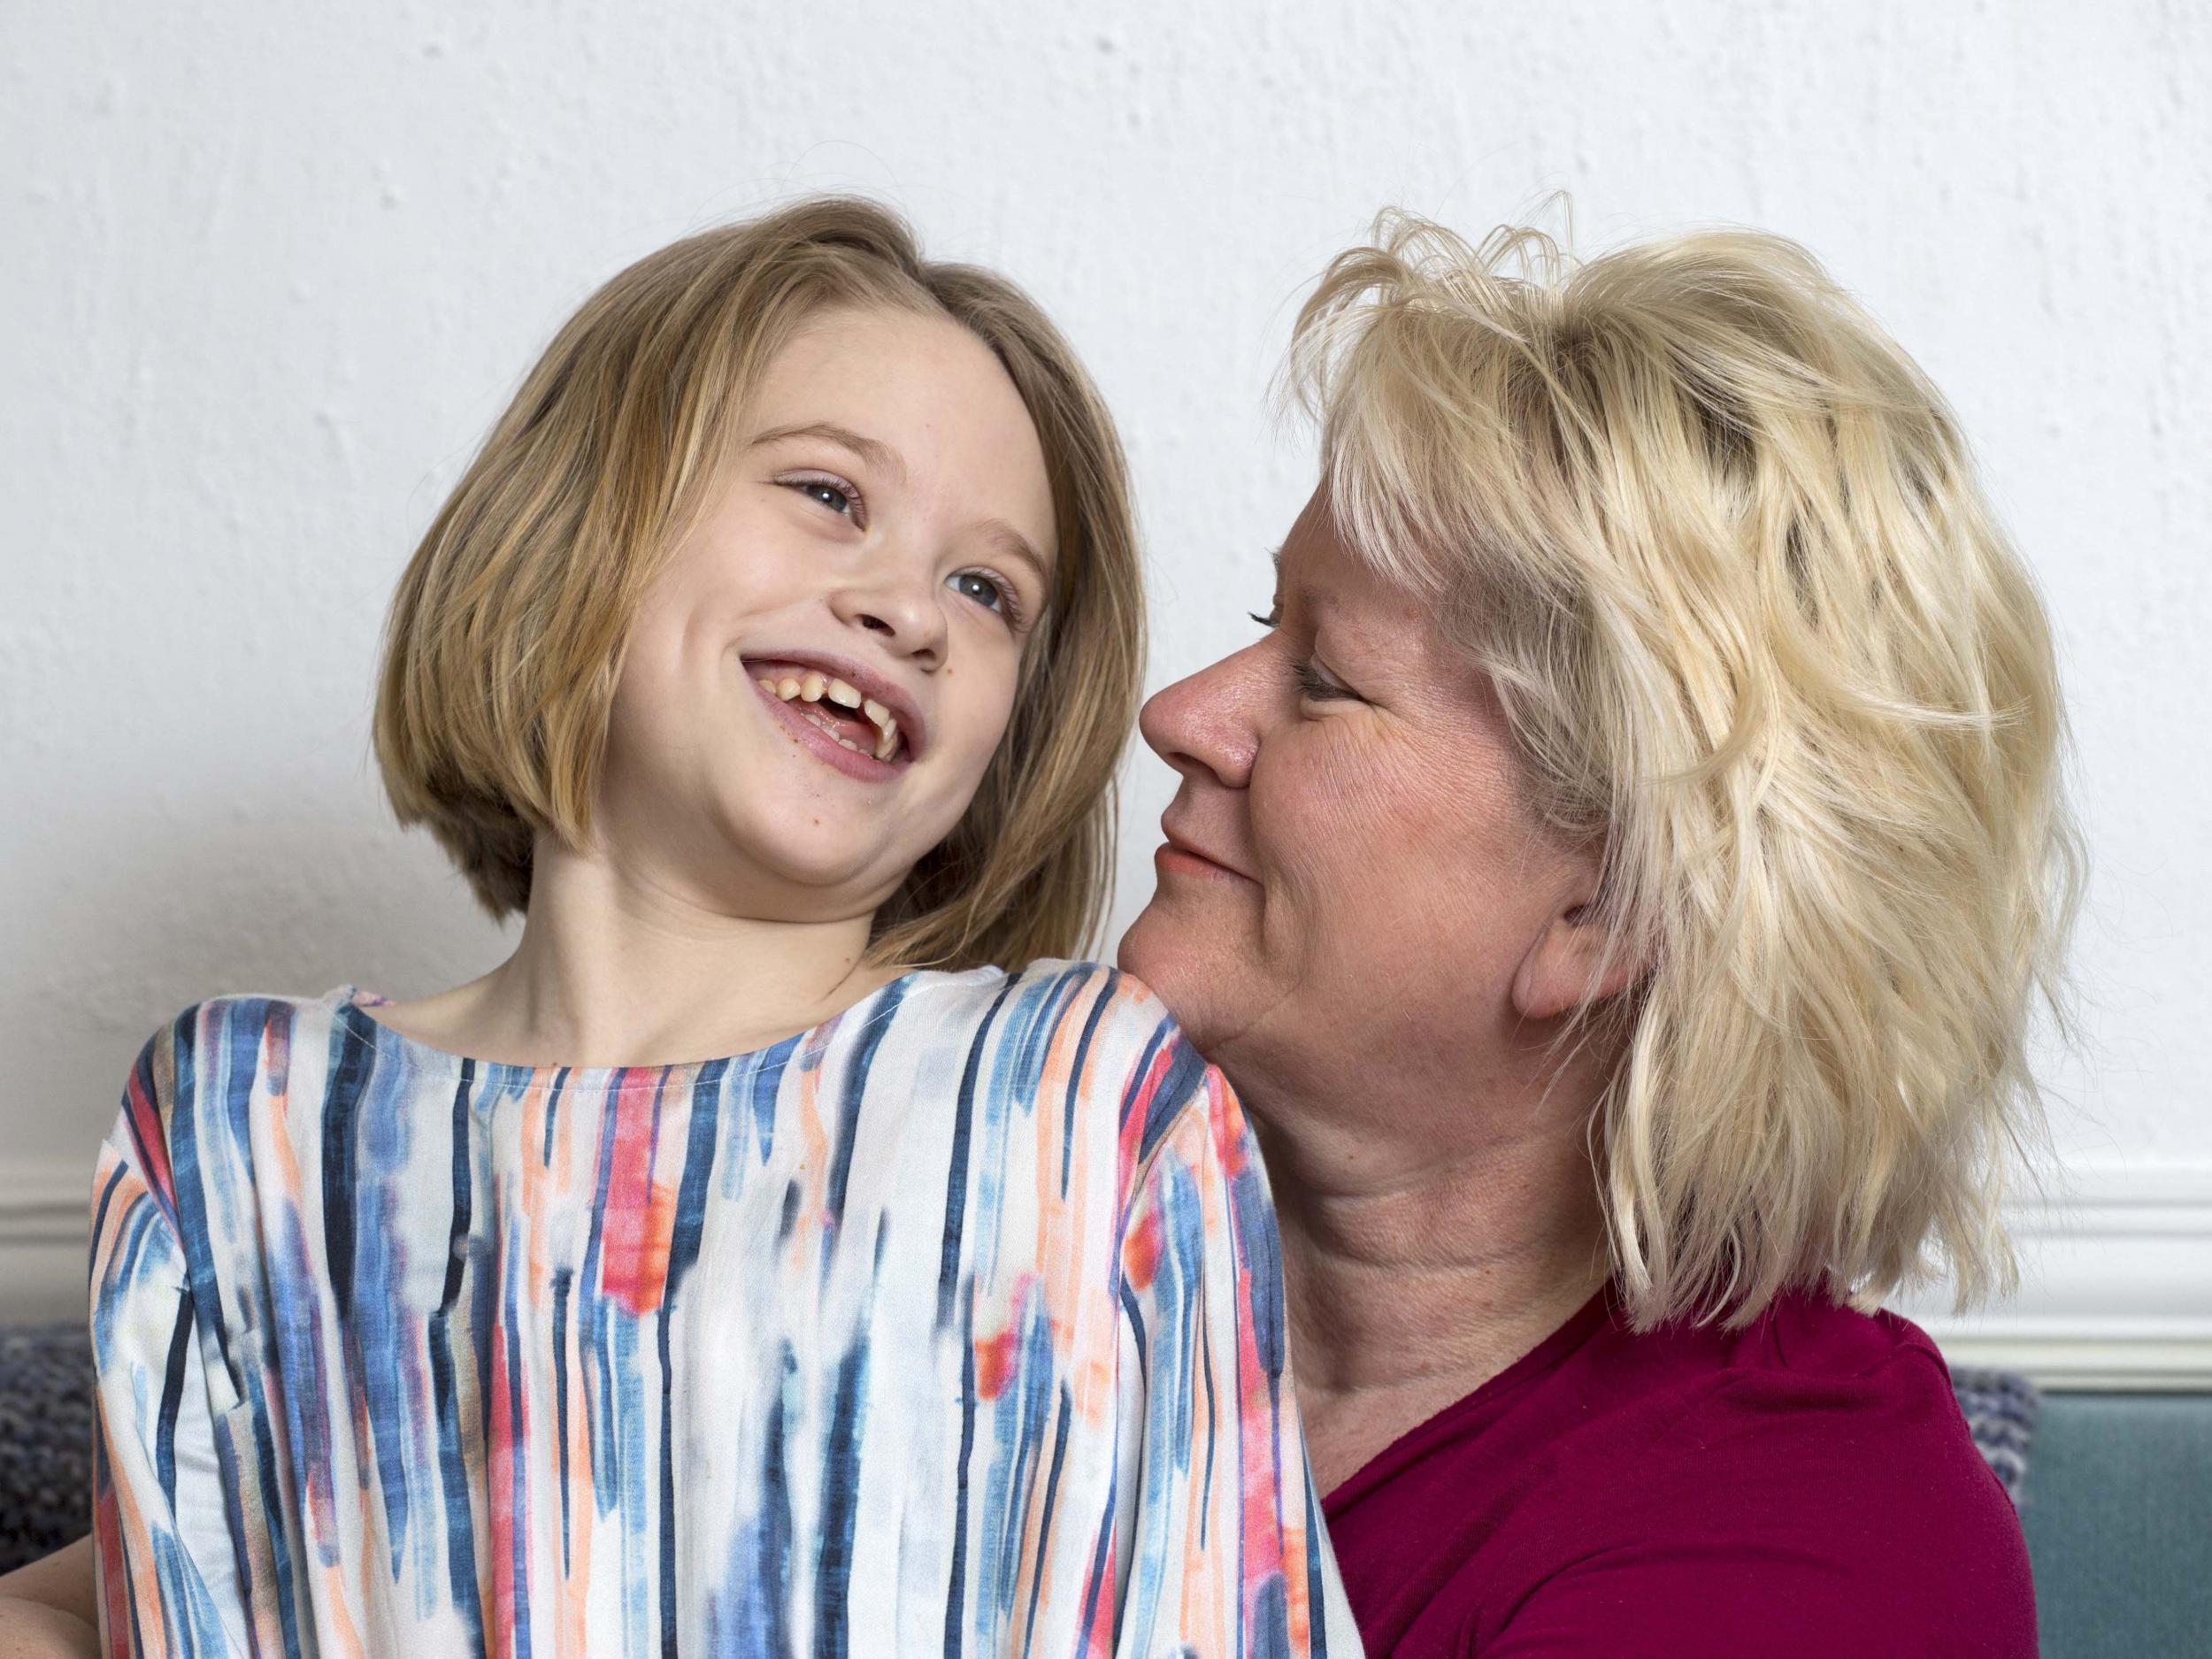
pixel 2001 1408
pixel 45 1440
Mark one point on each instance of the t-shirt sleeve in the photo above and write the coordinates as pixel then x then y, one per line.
pixel 1227 1553
pixel 162 1527
pixel 1871 1531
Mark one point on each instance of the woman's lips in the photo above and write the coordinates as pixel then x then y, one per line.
pixel 1177 854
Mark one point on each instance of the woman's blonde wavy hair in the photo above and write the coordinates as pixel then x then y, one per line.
pixel 506 634
pixel 1759 637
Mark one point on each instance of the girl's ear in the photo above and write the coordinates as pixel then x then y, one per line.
pixel 1578 960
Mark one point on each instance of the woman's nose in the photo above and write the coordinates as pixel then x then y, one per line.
pixel 901 610
pixel 1204 724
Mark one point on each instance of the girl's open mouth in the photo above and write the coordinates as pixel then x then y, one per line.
pixel 855 733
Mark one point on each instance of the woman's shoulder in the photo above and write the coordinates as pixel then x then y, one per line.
pixel 1823 1422
pixel 1805 1371
pixel 1831 1438
pixel 1805 1345
pixel 1737 1486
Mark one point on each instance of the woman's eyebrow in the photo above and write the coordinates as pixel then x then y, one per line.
pixel 1303 596
pixel 875 452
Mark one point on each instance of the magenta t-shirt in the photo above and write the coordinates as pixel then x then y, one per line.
pixel 1804 1486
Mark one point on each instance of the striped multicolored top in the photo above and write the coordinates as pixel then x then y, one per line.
pixel 954 1325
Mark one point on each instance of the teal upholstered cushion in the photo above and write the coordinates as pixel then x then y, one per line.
pixel 2118 1514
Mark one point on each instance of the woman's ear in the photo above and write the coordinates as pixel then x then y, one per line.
pixel 1578 960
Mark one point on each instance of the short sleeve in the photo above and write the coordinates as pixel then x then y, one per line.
pixel 1226 1554
pixel 163 1528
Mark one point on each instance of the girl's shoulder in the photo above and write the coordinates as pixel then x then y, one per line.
pixel 213 1030
pixel 1086 1030
pixel 205 1076
pixel 225 1048
pixel 231 1029
pixel 1109 1016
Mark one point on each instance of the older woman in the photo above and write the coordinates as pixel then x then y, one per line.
pixel 1617 883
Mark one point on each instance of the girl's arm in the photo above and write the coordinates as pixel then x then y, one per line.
pixel 48 1611
pixel 1228 1554
pixel 163 1534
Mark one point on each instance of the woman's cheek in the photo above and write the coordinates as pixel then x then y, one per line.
pixel 1350 780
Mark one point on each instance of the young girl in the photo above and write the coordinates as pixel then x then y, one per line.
pixel 709 1276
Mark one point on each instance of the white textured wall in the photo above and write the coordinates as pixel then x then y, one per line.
pixel 270 272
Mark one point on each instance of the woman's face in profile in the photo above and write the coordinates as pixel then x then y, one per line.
pixel 1349 872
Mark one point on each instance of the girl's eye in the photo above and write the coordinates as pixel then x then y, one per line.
pixel 987 591
pixel 838 498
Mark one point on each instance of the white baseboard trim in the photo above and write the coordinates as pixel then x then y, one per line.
pixel 2115 1286
pixel 45 1214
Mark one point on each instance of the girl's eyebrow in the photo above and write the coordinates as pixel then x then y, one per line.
pixel 875 452
pixel 1012 544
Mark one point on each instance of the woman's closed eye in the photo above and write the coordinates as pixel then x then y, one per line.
pixel 1315 682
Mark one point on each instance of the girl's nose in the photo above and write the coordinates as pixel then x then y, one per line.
pixel 901 609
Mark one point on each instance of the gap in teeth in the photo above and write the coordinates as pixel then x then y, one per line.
pixel 813 687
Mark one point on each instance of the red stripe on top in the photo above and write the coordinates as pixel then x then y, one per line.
pixel 641 1213
pixel 152 1138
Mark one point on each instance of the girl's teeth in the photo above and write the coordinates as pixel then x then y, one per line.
pixel 813 687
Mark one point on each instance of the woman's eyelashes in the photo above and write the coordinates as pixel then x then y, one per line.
pixel 1314 683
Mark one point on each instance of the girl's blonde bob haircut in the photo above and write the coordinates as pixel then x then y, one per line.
pixel 1760 640
pixel 506 636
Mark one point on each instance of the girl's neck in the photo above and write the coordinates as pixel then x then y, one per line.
pixel 611 970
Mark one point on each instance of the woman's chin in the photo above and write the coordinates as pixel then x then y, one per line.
pixel 1182 963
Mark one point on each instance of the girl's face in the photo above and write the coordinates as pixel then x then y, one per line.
pixel 817 681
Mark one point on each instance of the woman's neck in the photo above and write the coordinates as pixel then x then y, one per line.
pixel 611 970
pixel 1408 1291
